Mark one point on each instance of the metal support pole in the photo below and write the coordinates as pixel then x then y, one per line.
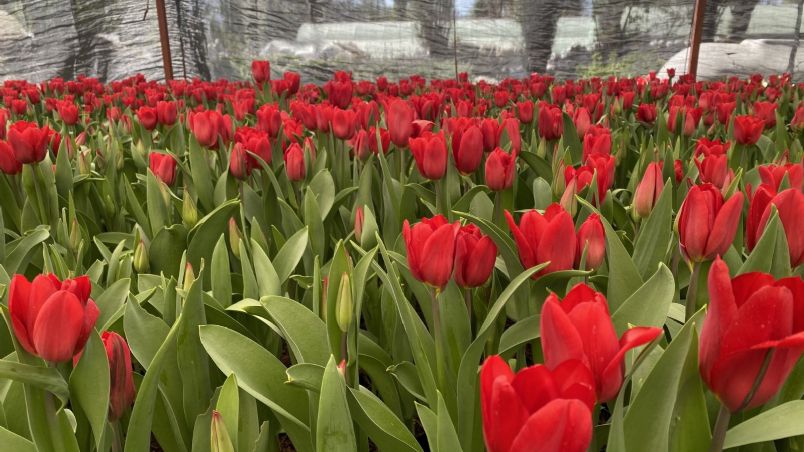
pixel 167 61
pixel 697 33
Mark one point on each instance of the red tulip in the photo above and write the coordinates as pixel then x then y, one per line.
pixel 542 238
pixel 467 149
pixel 714 169
pixel 790 205
pixel 754 327
pixel 475 255
pixel 579 327
pixel 525 111
pixel 339 92
pixel 748 129
pixel 707 147
pixel 255 141
pixel 536 408
pixel 646 113
pixel 343 123
pixel 293 80
pixel 724 111
pixel 8 161
pixel 163 166
pixel 582 121
pixel 29 141
pixel 510 127
pixel 797 123
pixel 360 144
pixel 385 140
pixel 597 141
pixel 166 112
pixel 207 126
pixel 399 118
pixel 294 163
pixel 261 71
pixel 68 112
pixel 706 224
pixel 500 170
pixel 52 319
pixel 490 128
pixel 757 202
pixel 147 116
pixel 121 388
pixel 551 121
pixel 592 238
pixel 4 117
pixel 430 153
pixel 649 189
pixel 430 246
pixel 690 116
pixel 678 170
pixel 240 164
pixel 767 112
pixel 773 175
pixel 269 119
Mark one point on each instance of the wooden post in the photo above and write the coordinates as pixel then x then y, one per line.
pixel 167 61
pixel 697 33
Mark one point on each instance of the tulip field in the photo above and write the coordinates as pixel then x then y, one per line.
pixel 607 264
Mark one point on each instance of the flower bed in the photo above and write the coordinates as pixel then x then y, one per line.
pixel 536 265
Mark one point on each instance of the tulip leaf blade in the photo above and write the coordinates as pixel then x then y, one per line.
pixel 779 422
pixel 570 137
pixel 624 278
pixel 288 257
pixel 656 234
pixel 306 376
pixel 520 333
pixel 262 375
pixel 305 333
pixel 201 174
pixel 649 305
pixel 334 429
pixel 14 442
pixel 647 421
pixel 220 273
pixel 18 251
pixel 385 429
pixel 89 385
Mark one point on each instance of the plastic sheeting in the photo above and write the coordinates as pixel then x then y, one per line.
pixel 493 39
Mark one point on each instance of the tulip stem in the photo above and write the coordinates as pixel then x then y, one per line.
pixel 721 426
pixel 467 296
pixel 439 349
pixel 117 437
pixel 692 291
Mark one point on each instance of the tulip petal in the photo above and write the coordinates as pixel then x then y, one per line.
pixel 506 416
pixel 766 315
pixel 527 255
pixel 796 286
pixel 438 255
pixel 494 367
pixel 558 244
pixel 561 341
pixel 694 226
pixel 725 226
pixel 58 327
pixel 536 386
pixel 721 311
pixel 19 296
pixel 612 375
pixel 561 426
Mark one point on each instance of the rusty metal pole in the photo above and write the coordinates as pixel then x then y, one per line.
pixel 167 61
pixel 697 33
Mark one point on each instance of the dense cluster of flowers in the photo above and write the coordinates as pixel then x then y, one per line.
pixel 374 224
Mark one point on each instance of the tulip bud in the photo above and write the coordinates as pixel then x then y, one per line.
pixel 189 212
pixel 648 191
pixel 592 241
pixel 84 165
pixel 141 264
pixel 221 442
pixel 345 306
pixel 121 390
pixel 234 237
pixel 342 368
pixel 359 223
pixel 74 240
pixel 188 279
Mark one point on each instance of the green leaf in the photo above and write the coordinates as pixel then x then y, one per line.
pixel 229 407
pixel 520 333
pixel 306 375
pixel 624 278
pixel 648 419
pixel 204 235
pixel 782 421
pixel 291 253
pixel 324 188
pixel 262 375
pixel 570 137
pixel 201 175
pixel 166 250
pixel 447 438
pixel 656 233
pixel 45 378
pixel 334 429
pixel 13 442
pixel 384 428
pixel 89 385
pixel 112 300
pixel 220 273
pixel 689 425
pixel 648 306
pixel 192 360
pixel 268 281
pixel 305 333
pixel 155 203
pixel 315 224
pixel 19 250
